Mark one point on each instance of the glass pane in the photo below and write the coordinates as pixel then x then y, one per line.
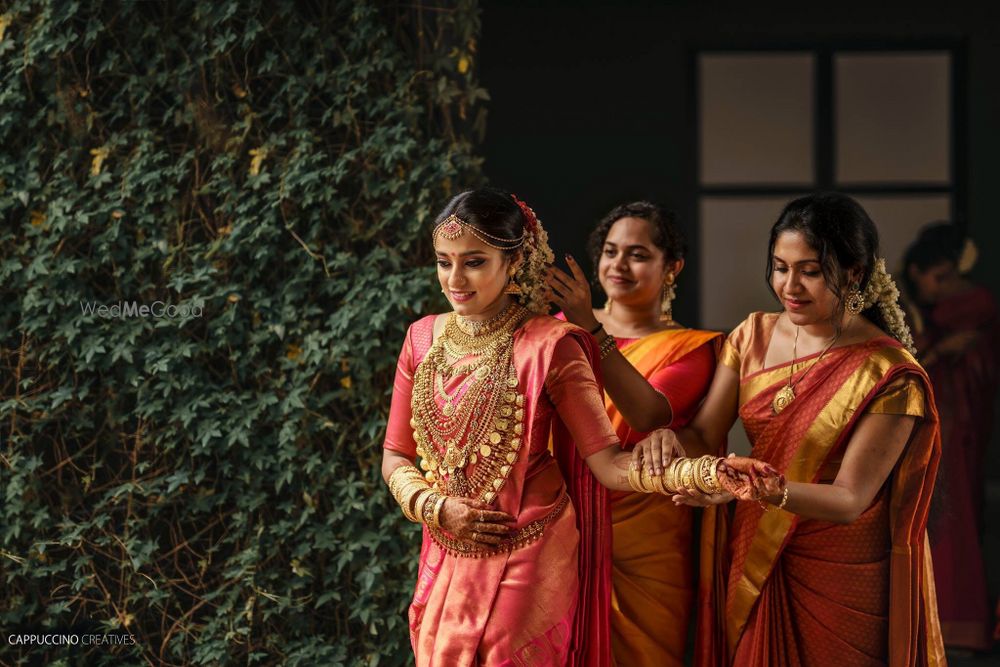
pixel 893 117
pixel 900 217
pixel 733 256
pixel 756 118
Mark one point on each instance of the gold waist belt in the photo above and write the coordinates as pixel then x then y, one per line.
pixel 516 540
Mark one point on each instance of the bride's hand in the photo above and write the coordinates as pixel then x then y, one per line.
pixel 749 479
pixel 657 450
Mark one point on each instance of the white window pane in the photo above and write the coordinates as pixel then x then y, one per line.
pixel 733 257
pixel 892 117
pixel 900 217
pixel 756 118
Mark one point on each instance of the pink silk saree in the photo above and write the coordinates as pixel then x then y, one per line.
pixel 546 602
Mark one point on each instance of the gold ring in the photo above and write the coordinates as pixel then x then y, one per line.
pixel 481 519
pixel 475 536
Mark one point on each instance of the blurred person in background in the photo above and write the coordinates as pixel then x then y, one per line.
pixel 957 331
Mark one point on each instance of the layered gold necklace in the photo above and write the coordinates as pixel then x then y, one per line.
pixel 478 424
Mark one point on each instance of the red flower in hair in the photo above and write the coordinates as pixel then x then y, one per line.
pixel 530 221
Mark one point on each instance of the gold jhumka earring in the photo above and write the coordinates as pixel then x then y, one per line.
pixel 512 287
pixel 667 300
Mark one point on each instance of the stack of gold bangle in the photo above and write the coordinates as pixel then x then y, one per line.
pixel 420 502
pixel 700 475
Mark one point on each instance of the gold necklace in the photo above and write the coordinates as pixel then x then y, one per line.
pixel 481 422
pixel 786 394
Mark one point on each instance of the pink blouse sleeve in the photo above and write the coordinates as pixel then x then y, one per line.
pixel 573 390
pixel 685 382
pixel 398 433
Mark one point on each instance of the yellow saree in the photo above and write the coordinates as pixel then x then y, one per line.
pixel 652 572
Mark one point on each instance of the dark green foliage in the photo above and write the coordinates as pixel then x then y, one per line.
pixel 210 484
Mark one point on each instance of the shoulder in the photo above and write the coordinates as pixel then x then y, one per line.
pixel 752 326
pixel 548 325
pixel 420 335
pixel 887 353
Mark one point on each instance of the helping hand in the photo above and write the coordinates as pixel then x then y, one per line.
pixel 657 450
pixel 571 294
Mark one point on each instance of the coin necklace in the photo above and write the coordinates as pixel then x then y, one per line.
pixel 786 394
pixel 481 420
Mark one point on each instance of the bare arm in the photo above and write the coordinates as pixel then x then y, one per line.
pixel 872 452
pixel 709 428
pixel 642 406
pixel 610 467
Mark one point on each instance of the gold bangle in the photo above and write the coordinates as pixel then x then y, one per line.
pixel 784 498
pixel 670 476
pixel 713 475
pixel 423 495
pixel 706 479
pixel 687 475
pixel 437 510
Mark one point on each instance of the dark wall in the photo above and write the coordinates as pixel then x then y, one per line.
pixel 592 105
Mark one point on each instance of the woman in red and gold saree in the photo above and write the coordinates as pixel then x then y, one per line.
pixel 803 591
pixel 514 565
pixel 831 566
pixel 957 331
pixel 659 379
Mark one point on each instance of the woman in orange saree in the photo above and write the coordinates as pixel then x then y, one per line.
pixel 514 564
pixel 658 379
pixel 832 567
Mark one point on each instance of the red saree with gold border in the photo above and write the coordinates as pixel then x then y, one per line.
pixel 778 589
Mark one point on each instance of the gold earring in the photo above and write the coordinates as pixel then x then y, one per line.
pixel 512 287
pixel 607 306
pixel 855 301
pixel 667 299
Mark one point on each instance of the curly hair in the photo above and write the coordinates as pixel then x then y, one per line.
pixel 663 224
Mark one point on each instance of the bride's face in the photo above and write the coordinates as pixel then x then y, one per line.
pixel 472 274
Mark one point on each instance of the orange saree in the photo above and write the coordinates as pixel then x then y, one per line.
pixel 652 574
pixel 785 590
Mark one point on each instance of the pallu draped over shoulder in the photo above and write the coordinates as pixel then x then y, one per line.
pixel 544 598
pixel 786 590
pixel 653 552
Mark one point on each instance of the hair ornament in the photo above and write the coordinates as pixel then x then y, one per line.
pixel 882 292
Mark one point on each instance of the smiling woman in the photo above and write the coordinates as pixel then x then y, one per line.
pixel 515 564
pixel 832 567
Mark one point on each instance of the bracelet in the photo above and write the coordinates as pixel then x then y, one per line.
pixel 784 501
pixel 607 345
pixel 406 483
pixel 593 332
pixel 784 498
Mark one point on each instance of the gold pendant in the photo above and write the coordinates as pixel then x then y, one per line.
pixel 781 400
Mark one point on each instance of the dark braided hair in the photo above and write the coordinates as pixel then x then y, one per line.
pixel 663 227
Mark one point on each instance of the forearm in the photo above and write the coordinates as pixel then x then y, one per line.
pixel 696 442
pixel 610 467
pixel 390 461
pixel 825 502
pixel 643 407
